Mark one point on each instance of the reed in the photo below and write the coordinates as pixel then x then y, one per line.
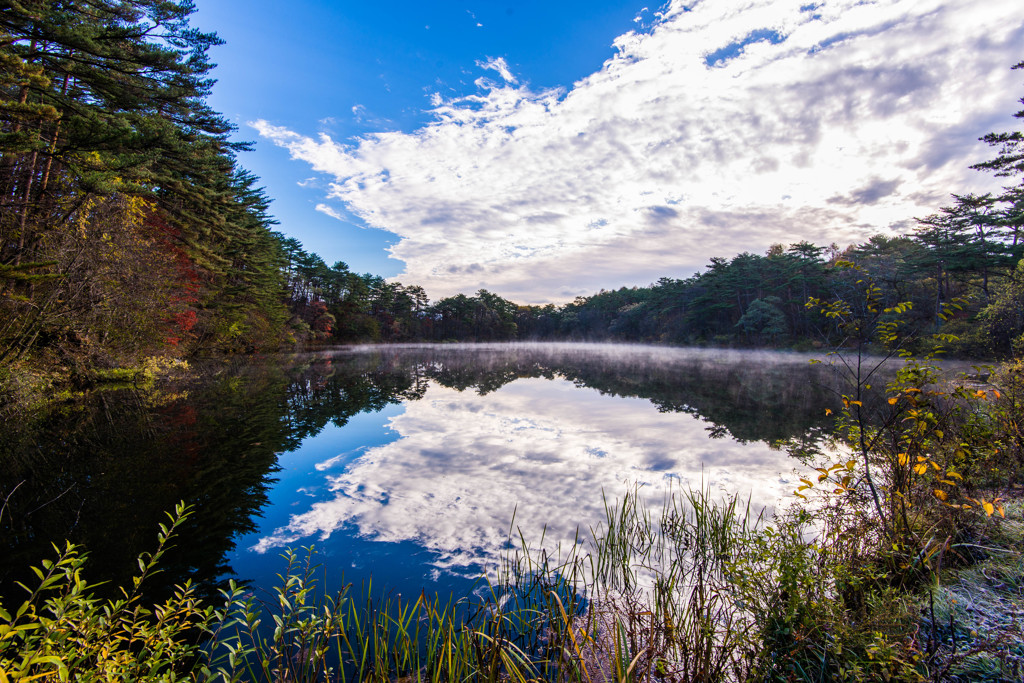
pixel 701 589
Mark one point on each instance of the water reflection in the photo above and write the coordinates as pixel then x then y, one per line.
pixel 463 463
pixel 103 470
pixel 542 431
pixel 404 462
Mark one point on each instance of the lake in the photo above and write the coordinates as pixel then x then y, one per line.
pixel 411 465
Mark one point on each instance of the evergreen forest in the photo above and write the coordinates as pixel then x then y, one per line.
pixel 129 229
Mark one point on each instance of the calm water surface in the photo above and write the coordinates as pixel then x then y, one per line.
pixel 410 465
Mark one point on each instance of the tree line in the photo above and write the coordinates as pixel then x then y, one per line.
pixel 127 225
pixel 965 258
pixel 128 228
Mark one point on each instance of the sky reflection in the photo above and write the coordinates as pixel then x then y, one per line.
pixel 461 465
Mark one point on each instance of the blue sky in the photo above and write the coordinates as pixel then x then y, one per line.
pixel 546 150
pixel 353 68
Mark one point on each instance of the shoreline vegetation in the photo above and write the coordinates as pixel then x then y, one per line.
pixel 902 560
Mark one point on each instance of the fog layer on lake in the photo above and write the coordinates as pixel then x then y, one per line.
pixel 535 438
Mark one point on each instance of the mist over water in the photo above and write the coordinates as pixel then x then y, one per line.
pixel 408 464
pixel 533 438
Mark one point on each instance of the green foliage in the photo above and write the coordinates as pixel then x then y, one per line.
pixel 703 591
pixel 820 607
pixel 61 632
pixel 126 227
pixel 763 320
pixel 926 464
pixel 1000 325
pixel 918 445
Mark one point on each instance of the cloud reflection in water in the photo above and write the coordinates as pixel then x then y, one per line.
pixel 542 450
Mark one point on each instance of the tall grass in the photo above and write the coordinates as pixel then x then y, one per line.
pixel 644 597
pixel 664 603
pixel 701 590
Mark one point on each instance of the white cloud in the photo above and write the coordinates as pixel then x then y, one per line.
pixel 330 211
pixel 498 64
pixel 864 116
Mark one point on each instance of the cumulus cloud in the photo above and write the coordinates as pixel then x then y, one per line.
pixel 728 126
pixel 536 450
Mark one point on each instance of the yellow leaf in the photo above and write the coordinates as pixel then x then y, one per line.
pixel 940 494
pixel 807 481
pixel 938 433
pixel 935 464
pixel 947 481
pixel 856 403
pixel 988 507
pixel 904 459
pixel 851 464
pixel 996 394
pixel 951 473
pixel 822 477
pixel 920 469
pixel 828 411
pixel 921 458
pixel 892 401
pixel 1002 513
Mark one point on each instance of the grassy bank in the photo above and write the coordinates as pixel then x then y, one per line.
pixel 702 592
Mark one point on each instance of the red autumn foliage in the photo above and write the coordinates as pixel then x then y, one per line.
pixel 186 284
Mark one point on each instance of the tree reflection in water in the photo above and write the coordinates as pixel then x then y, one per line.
pixel 102 470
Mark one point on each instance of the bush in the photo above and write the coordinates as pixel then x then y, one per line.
pixel 62 632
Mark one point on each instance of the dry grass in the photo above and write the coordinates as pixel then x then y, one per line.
pixel 973 617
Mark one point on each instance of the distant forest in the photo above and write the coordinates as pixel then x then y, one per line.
pixel 966 263
pixel 128 229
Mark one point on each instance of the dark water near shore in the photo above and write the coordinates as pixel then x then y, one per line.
pixel 409 465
